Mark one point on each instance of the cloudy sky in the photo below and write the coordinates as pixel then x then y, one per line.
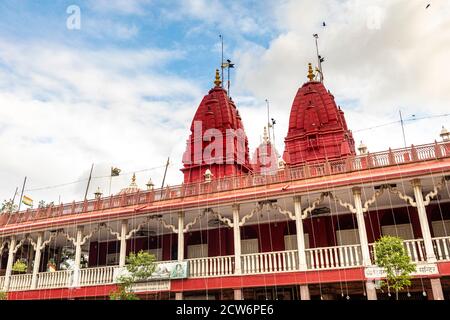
pixel 122 89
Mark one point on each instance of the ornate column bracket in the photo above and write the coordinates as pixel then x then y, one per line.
pixel 313 205
pixel 225 220
pixel 14 250
pixel 186 228
pixel 191 224
pixel 3 246
pixel 139 227
pixel 168 226
pixel 73 240
pixel 434 192
pixel 344 204
pixel 402 196
pixel 286 213
pixel 259 207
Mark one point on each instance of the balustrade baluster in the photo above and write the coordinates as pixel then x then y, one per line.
pixel 419 244
pixel 446 244
pixel 352 255
pixel 326 252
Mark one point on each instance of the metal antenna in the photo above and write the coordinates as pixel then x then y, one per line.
pixel 319 58
pixel 221 61
pixel 403 129
pixel 268 118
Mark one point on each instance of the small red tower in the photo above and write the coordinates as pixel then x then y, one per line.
pixel 265 157
pixel 217 141
pixel 317 127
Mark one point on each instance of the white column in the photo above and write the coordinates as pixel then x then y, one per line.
pixel 361 227
pixel 180 253
pixel 76 270
pixel 436 286
pixel 37 261
pixel 123 243
pixel 364 243
pixel 304 289
pixel 423 221
pixel 237 240
pixel 12 245
pixel 300 235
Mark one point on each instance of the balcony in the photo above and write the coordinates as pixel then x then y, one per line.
pixel 382 159
pixel 325 258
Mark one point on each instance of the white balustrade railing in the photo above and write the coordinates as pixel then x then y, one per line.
pixel 58 279
pixel 257 263
pixel 334 257
pixel 20 282
pixel 442 248
pixel 414 247
pixel 97 276
pixel 211 266
pixel 280 261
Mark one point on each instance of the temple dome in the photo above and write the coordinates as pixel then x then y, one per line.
pixel 132 188
pixel 265 157
pixel 217 113
pixel 317 127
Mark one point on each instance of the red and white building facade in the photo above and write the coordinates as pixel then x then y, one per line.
pixel 304 230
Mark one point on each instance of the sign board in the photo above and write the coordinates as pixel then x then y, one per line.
pixel 422 269
pixel 163 271
pixel 148 286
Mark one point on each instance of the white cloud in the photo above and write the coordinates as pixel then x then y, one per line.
pixel 399 65
pixel 65 108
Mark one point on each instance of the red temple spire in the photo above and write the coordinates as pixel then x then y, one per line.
pixel 317 127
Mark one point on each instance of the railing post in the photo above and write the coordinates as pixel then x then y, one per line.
pixel 437 150
pixel 37 261
pixel 123 243
pixel 414 156
pixel 391 157
pixel 371 291
pixel 76 271
pixel 304 290
pixel 12 245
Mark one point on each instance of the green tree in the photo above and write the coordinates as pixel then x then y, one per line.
pixel 140 267
pixel 8 206
pixel 3 295
pixel 390 254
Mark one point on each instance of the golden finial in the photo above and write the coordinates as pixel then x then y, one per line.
pixel 310 72
pixel 133 180
pixel 217 82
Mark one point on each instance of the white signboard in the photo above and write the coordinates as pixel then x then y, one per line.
pixel 152 286
pixel 422 269
pixel 163 271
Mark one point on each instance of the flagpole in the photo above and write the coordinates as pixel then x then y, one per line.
pixel 221 62
pixel 14 197
pixel 89 182
pixel 164 178
pixel 21 194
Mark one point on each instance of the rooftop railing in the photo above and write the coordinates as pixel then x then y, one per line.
pixel 366 161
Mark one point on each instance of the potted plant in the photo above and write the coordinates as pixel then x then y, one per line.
pixel 20 266
pixel 51 265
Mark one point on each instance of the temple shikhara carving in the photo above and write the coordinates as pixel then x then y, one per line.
pixel 298 223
